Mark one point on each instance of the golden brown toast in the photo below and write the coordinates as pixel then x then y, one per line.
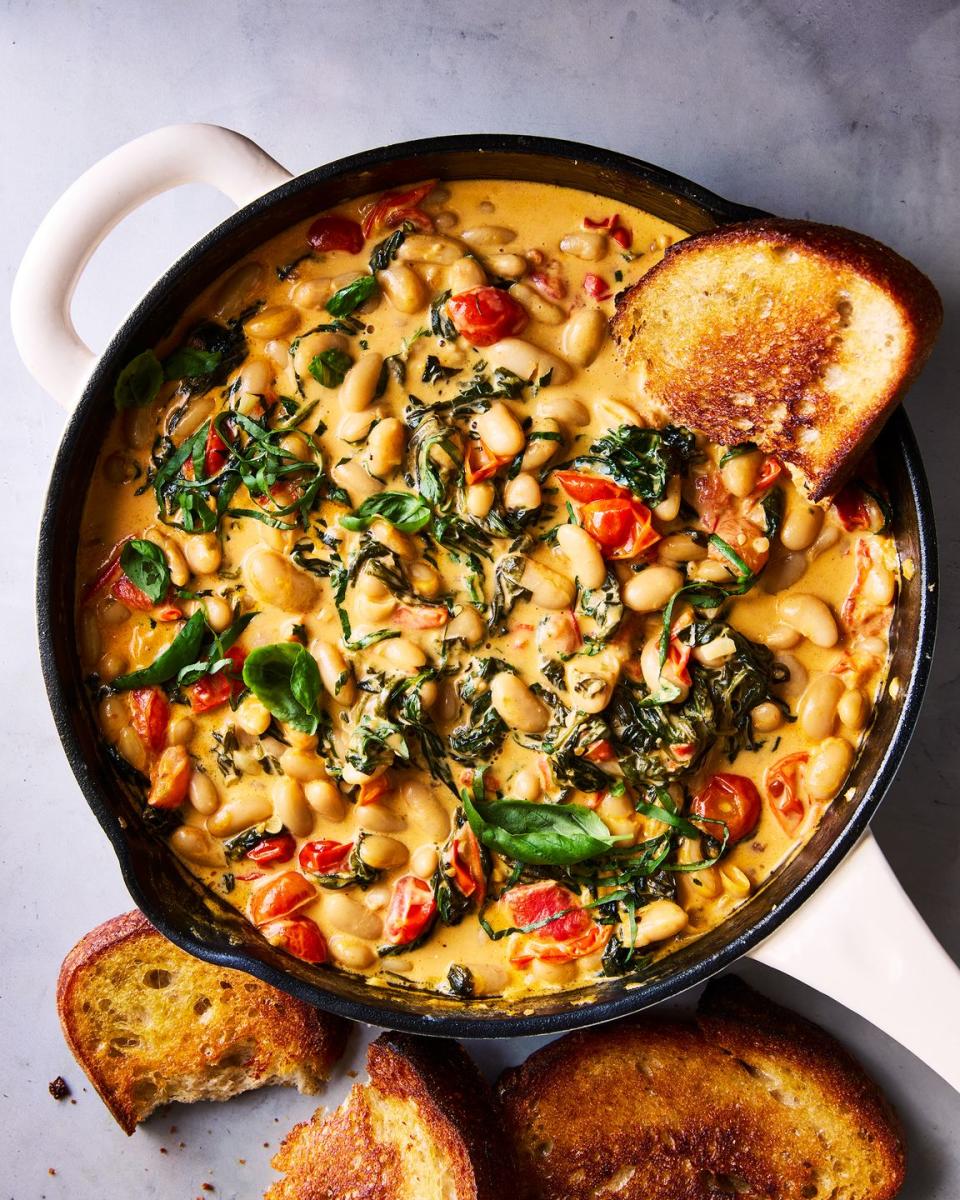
pixel 424 1128
pixel 801 338
pixel 749 1100
pixel 150 1024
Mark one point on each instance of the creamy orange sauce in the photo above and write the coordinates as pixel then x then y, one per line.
pixel 248 772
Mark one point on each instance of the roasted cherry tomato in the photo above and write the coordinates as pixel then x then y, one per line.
pixel 150 712
pixel 394 208
pixel 601 751
pixel 484 315
pixel 623 528
pixel 770 472
pixel 856 509
pixel 324 857
pixel 730 798
pixel 170 778
pixel 372 790
pixel 783 783
pixel 280 847
pixel 583 488
pixel 466 861
pixel 335 233
pixel 210 691
pixel 479 463
pixel 596 286
pixel 215 453
pixel 127 592
pixel 412 909
pixel 568 937
pixel 106 575
pixel 299 936
pixel 420 616
pixel 280 897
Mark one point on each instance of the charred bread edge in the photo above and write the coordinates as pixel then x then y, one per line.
pixel 455 1103
pixel 907 284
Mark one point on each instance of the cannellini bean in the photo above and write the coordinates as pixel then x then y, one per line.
pixel 379 817
pixel 119 468
pixel 191 416
pixel 556 973
pixel 357 482
pixel 403 287
pixel 817 710
pixel 385 447
pixel 547 587
pixel 273 321
pixel 110 666
pixel 382 852
pixel 650 590
pixel 507 266
pixel 540 449
pixel 656 677
pixel 526 785
pixel 297 445
pixel 783 571
pixel 590 681
pixel 335 672
pixel 792 687
pixel 113 716
pixel 430 248
pixel 351 952
pixel 827 768
pixel 176 563
pixel 878 587
pixel 558 636
pixel 426 580
pixel 403 654
pixel 489 979
pixel 488 235
pixel 810 616
pixel 359 387
pixel 587 245
pixel 853 708
pixel 324 797
pixel 132 749
pixel 736 883
pixel 709 570
pixel 740 473
pixel 368 611
pixel 350 917
pixel 480 498
pixel 583 336
pixel 521 493
pixel 467 626
pixel 681 548
pixel 782 637
pixel 716 652
pixel 465 274
pixel 253 716
pixel 425 810
pixel 311 293
pixel 828 537
pixel 305 351
pixel 424 861
pixel 301 765
pixel 203 793
pixel 528 361
pixel 140 426
pixel 290 806
pixel 239 814
pixel 669 506
pixel 500 430
pixel 237 290
pixel 537 308
pixel 584 555
pixel 354 427
pixel 274 579
pixel 766 717
pixel 114 613
pixel 517 704
pixel 570 412
pixel 203 553
pixel 402 546
pixel 197 847
pixel 180 731
pixel 218 611
pixel 659 920
pixel 802 523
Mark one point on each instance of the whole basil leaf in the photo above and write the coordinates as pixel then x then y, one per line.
pixel 329 367
pixel 283 681
pixel 405 511
pixel 144 565
pixel 549 835
pixel 187 362
pixel 183 650
pixel 139 381
pixel 342 303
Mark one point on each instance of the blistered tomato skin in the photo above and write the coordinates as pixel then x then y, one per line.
pixel 485 315
pixel 335 233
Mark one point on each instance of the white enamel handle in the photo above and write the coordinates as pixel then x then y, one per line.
pixel 859 940
pixel 49 345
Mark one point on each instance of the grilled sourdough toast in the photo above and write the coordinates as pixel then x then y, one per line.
pixel 424 1128
pixel 798 337
pixel 748 1100
pixel 150 1024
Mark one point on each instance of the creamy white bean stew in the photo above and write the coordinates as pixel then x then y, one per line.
pixel 436 653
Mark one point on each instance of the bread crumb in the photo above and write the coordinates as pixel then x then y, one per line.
pixel 58 1088
pixel 208 1187
pixel 51 1170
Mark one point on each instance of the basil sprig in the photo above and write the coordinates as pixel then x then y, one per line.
pixel 286 679
pixel 144 565
pixel 343 302
pixel 405 511
pixel 548 835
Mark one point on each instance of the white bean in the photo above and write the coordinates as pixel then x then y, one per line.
pixel 588 245
pixel 379 818
pixel 350 917
pixel 197 846
pixel 403 287
pixel 203 793
pixel 488 235
pixel 517 704
pixel 827 768
pixel 547 587
pixel 273 321
pixel 335 672
pixel 535 306
pixel 650 589
pixel 522 492
pixel 324 798
pixel 817 710
pixel 239 814
pixel 583 336
pixel 430 248
pixel 500 430
pixel 359 386
pixel 810 616
pixel 853 708
pixel 467 626
pixel 290 806
pixel 425 810
pixel 507 266
pixel 659 920
pixel 274 579
pixel 584 555
pixel 385 447
pixel 740 473
pixel 802 524
pixel 528 361
pixel 465 274
pixel 357 482
pixel 203 553
pixel 237 290
pixel 567 410
pixel 253 716
pixel 480 498
pixel 301 765
pixel 766 717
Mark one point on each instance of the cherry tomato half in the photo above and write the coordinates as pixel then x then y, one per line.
pixel 421 616
pixel 150 712
pixel 583 488
pixel 855 509
pixel 393 208
pixel 324 857
pixel 280 897
pixel 335 233
pixel 532 902
pixel 480 463
pixel 299 936
pixel 484 315
pixel 127 592
pixel 215 453
pixel 623 528
pixel 783 783
pixel 770 472
pixel 467 863
pixel 730 798
pixel 170 778
pixel 281 847
pixel 210 691
pixel 596 286
pixel 372 790
pixel 412 909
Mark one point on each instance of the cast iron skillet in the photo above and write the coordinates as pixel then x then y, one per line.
pixel 204 925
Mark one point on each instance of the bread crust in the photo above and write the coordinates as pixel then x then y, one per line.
pixel 315 1039
pixel 701 396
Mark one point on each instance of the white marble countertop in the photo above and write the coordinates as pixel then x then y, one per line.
pixel 845 112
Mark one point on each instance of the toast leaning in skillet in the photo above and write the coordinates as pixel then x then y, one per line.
pixel 150 1024
pixel 424 1128
pixel 801 338
pixel 749 1100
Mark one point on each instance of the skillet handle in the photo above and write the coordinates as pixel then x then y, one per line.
pixel 859 940
pixel 49 345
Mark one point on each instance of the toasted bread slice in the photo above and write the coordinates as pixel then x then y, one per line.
pixel 424 1128
pixel 150 1024
pixel 749 1100
pixel 801 338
